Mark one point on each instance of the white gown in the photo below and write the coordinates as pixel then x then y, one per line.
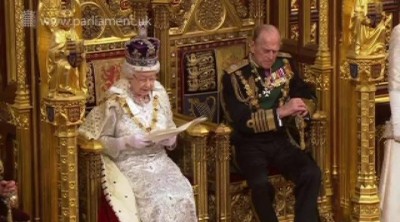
pixel 389 188
pixel 161 192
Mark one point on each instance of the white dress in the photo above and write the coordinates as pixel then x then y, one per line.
pixel 161 192
pixel 389 188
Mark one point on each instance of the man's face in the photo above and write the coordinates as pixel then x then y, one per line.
pixel 265 48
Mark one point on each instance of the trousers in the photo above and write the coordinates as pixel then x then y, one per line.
pixel 254 157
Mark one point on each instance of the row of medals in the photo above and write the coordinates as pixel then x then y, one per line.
pixel 271 81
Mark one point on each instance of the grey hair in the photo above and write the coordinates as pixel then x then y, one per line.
pixel 128 70
pixel 264 28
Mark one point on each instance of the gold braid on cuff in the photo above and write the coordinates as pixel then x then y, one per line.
pixel 262 121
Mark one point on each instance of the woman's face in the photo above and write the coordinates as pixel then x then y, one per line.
pixel 142 83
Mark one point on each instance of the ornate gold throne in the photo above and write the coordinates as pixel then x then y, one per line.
pixel 195 49
pixel 199 39
pixel 43 138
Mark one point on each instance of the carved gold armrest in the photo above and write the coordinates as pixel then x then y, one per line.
pixel 89 176
pixel 318 136
pixel 195 162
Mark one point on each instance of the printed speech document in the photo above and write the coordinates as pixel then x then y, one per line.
pixel 158 135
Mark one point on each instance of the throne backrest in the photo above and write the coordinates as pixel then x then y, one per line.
pixel 200 69
pixel 103 69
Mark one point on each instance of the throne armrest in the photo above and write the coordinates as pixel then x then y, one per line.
pixel 89 175
pixel 194 161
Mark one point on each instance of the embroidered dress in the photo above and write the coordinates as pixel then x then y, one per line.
pixel 161 192
pixel 389 188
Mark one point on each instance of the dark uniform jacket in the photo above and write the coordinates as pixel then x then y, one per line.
pixel 250 97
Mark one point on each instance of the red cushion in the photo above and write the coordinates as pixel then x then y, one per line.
pixel 106 213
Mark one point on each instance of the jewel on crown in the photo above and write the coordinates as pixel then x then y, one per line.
pixel 142 50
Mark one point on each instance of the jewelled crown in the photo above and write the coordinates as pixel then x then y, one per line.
pixel 142 51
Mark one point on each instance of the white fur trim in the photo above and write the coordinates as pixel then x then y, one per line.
pixel 394 97
pixel 118 192
pixel 394 57
pixel 128 70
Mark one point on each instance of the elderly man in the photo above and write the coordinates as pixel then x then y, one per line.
pixel 258 94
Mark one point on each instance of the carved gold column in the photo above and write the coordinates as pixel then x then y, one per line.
pixel 198 148
pixel 140 8
pixel 365 71
pixel 61 62
pixel 364 67
pixel 89 177
pixel 223 197
pixel 283 21
pixel 321 74
pixel 161 25
pixel 63 116
pixel 257 11
pixel 22 108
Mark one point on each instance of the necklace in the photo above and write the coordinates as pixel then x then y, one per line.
pixel 267 87
pixel 153 118
pixel 141 100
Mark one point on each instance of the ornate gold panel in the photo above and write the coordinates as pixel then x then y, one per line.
pixel 191 25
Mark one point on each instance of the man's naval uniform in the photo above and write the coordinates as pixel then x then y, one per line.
pixel 250 98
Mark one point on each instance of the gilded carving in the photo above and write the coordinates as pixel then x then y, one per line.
pixel 161 21
pixel 201 71
pixel 179 14
pixel 210 14
pixel 68 112
pixel 66 61
pixel 368 29
pixel 313 32
pixel 205 108
pixel 294 5
pixel 22 120
pixel 241 9
pixel 241 203
pixel 319 80
pixel 369 69
pixel 294 32
pixel 20 50
pixel 257 11
pixel 314 4
pixel 7 113
pixel 92 14
pixel 323 30
pixel 107 19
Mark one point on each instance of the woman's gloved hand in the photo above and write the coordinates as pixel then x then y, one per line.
pixel 137 141
pixel 169 143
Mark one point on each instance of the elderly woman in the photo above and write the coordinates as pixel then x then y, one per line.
pixel 390 175
pixel 134 106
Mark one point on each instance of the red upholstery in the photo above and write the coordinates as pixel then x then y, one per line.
pixel 106 213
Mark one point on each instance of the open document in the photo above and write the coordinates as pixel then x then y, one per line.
pixel 159 135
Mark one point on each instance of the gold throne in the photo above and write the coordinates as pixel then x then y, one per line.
pixel 194 52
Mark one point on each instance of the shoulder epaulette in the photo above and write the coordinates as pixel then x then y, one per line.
pixel 237 66
pixel 284 55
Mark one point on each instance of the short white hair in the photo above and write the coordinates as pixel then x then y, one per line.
pixel 129 70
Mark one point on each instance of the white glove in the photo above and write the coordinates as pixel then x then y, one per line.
pixel 137 141
pixel 113 146
pixel 169 143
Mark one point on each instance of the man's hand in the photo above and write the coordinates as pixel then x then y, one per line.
pixel 294 107
pixel 7 187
